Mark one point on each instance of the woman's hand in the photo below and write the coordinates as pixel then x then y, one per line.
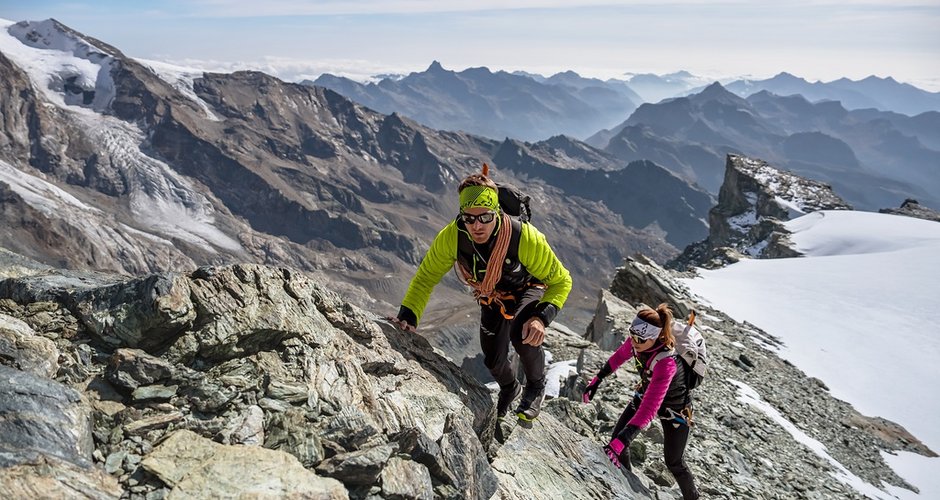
pixel 590 390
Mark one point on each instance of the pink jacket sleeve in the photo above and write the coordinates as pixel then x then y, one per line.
pixel 622 355
pixel 655 392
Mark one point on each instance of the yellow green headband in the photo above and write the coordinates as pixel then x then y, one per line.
pixel 479 196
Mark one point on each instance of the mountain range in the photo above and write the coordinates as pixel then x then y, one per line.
pixel 495 105
pixel 114 164
pixel 874 159
pixel 884 94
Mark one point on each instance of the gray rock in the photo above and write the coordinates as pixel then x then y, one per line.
pixel 911 208
pixel 158 421
pixel 142 313
pixel 41 416
pixel 360 467
pixel 611 323
pixel 45 476
pixel 154 393
pixel 247 429
pixel 291 433
pixel 642 281
pixel 292 393
pixel 466 459
pixel 425 451
pixel 130 368
pixel 22 349
pixel 195 467
pixel 754 201
pixel 404 479
pixel 551 461
pixel 115 461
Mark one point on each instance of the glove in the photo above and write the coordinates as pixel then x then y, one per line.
pixel 613 449
pixel 405 321
pixel 590 390
pixel 616 449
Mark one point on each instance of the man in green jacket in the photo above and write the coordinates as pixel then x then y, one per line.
pixel 515 276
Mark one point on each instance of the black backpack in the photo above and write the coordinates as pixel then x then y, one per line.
pixel 514 203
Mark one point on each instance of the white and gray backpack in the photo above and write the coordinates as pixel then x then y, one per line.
pixel 690 347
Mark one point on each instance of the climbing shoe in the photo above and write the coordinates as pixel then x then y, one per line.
pixel 531 403
pixel 507 394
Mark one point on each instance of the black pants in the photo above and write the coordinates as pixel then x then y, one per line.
pixel 496 332
pixel 674 440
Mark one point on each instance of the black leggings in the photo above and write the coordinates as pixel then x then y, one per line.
pixel 674 440
pixel 496 332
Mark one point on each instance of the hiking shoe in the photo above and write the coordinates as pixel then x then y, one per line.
pixel 507 395
pixel 531 403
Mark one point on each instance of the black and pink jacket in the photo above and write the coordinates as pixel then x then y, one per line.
pixel 662 387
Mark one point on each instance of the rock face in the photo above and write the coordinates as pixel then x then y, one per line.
pixel 755 199
pixel 911 208
pixel 241 379
pixel 196 467
pixel 243 355
pixel 611 323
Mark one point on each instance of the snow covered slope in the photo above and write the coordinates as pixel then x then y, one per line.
pixel 859 311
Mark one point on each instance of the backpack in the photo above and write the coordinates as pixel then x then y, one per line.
pixel 514 203
pixel 690 348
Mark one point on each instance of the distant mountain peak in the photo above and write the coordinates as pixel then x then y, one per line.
pixel 784 76
pixel 436 67
pixel 717 91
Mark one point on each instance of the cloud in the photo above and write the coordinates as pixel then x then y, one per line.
pixel 292 69
pixel 252 8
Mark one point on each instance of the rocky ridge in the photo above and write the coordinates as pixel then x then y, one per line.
pixel 911 208
pixel 169 385
pixel 753 203
pixel 251 380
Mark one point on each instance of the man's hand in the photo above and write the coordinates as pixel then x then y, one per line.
pixel 533 332
pixel 402 324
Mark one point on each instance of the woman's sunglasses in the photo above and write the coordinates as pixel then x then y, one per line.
pixel 636 338
pixel 484 218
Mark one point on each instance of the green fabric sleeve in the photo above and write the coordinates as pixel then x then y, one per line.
pixel 436 262
pixel 539 259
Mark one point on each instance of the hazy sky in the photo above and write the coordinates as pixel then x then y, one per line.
pixel 818 40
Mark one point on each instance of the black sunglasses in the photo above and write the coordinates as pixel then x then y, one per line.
pixel 484 218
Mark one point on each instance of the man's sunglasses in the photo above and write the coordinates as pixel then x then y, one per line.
pixel 484 218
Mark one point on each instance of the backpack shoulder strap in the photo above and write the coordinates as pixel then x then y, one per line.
pixel 659 355
pixel 465 246
pixel 512 253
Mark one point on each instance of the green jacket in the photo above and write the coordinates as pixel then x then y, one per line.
pixel 534 253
